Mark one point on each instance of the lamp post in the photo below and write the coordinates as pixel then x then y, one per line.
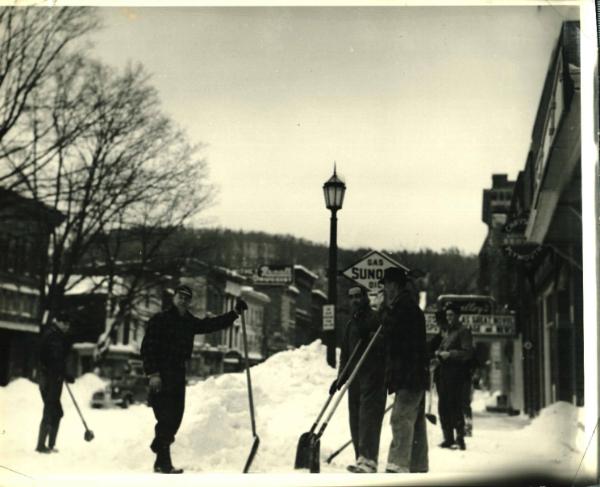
pixel 334 190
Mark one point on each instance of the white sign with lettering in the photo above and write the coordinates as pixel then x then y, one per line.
pixel 328 317
pixel 368 271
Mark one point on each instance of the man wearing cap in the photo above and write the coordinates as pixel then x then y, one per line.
pixel 366 393
pixel 166 346
pixel 406 374
pixel 54 349
pixel 452 356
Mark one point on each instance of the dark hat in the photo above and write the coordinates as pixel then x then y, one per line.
pixel 183 289
pixel 62 316
pixel 394 274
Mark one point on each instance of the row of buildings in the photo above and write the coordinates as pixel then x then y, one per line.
pixel 285 303
pixel 531 259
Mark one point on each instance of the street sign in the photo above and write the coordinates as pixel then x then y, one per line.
pixel 368 271
pixel 328 317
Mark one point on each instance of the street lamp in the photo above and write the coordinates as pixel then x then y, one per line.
pixel 334 190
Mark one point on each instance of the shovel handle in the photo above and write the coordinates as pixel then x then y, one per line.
pixel 349 381
pixel 76 406
pixel 248 379
pixel 342 374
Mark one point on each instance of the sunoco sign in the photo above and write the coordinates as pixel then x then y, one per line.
pixel 368 271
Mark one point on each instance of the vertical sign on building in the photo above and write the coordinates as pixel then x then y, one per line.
pixel 328 317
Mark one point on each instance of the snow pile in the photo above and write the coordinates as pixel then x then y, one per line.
pixel 290 388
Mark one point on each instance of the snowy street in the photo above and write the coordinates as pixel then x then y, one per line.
pixel 215 437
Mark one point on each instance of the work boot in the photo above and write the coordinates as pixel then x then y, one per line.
pixel 41 442
pixel 52 432
pixel 363 465
pixel 447 443
pixel 460 441
pixel 163 462
pixel 468 426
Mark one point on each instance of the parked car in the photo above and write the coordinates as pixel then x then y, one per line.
pixel 123 390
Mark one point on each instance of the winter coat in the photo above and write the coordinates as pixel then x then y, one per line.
pixel 169 341
pixel 53 352
pixel 361 327
pixel 406 346
pixel 453 370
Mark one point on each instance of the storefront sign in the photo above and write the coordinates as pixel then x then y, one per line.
pixel 481 325
pixel 514 243
pixel 274 275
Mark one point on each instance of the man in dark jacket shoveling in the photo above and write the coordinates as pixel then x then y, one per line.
pixel 366 394
pixel 54 349
pixel 167 344
pixel 406 374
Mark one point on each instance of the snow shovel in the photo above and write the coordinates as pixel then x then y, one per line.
pixel 349 442
pixel 89 434
pixel 315 444
pixel 431 417
pixel 256 442
pixel 303 448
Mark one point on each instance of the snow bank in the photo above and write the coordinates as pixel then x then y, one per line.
pixel 290 389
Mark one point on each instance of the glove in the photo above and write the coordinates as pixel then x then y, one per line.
pixel 443 354
pixel 69 379
pixel 240 306
pixel 155 383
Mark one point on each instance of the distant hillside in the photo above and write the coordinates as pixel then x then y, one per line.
pixel 450 271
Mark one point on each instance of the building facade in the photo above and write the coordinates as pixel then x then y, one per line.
pixel 25 226
pixel 541 241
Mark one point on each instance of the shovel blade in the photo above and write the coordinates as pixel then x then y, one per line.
pixel 88 435
pixel 303 450
pixel 314 455
pixel 432 418
pixel 252 454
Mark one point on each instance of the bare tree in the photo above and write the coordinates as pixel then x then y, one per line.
pixel 116 162
pixel 34 43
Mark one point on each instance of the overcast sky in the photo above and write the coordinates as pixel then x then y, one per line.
pixel 418 106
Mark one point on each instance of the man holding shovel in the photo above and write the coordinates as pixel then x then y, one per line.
pixel 366 393
pixel 54 349
pixel 167 344
pixel 406 374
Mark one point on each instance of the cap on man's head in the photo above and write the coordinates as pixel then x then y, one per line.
pixel 183 289
pixel 455 308
pixel 62 316
pixel 394 274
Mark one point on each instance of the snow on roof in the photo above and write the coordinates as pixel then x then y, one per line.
pixel 318 292
pixel 293 289
pixel 299 267
pixel 250 291
pixel 93 284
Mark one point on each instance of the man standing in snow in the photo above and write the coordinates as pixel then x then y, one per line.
pixel 452 357
pixel 366 394
pixel 54 349
pixel 406 374
pixel 167 344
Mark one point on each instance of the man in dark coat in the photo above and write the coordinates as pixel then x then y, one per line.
pixel 452 358
pixel 54 349
pixel 406 374
pixel 166 346
pixel 366 394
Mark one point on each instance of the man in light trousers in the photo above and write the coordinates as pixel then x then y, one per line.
pixel 406 374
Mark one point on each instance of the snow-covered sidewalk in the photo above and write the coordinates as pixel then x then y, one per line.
pixel 215 437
